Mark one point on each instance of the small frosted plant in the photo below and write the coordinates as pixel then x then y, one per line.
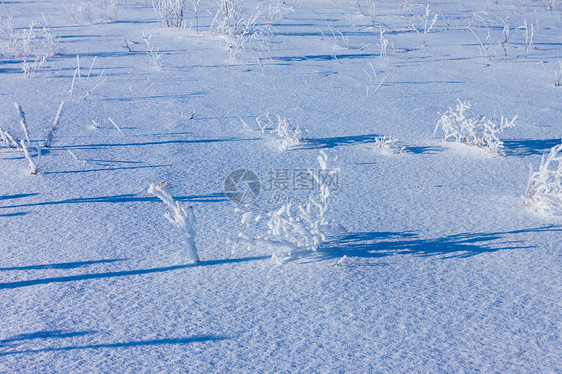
pixel 30 67
pixel 277 9
pixel 195 4
pixel 32 45
pixel 293 227
pixel 285 135
pixel 506 31
pixel 529 33
pixel 340 41
pixel 54 127
pixel 86 11
pixel 233 28
pixel 406 8
pixel 32 164
pixel 182 218
pixel 372 9
pixel 485 47
pixel 558 76
pixel 383 45
pixel 170 12
pixel 478 131
pixel 388 145
pixel 154 54
pixel 23 144
pixel 23 123
pixel 9 139
pixel 544 190
pixel 430 20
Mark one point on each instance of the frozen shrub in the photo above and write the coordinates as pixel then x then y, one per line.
pixel 8 38
pixel 195 4
pixel 478 131
pixel 236 29
pixel 292 227
pixel 29 67
pixel 429 20
pixel 387 145
pixel 170 12
pixel 371 10
pixel 277 9
pixel 182 218
pixel 154 54
pixel 544 190
pixel 284 134
pixel 94 11
pixel 33 45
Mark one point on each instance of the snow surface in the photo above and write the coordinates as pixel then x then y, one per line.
pixel 445 269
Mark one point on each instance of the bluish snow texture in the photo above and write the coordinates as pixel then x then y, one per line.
pixel 446 271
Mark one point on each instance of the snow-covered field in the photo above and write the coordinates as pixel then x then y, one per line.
pixel 442 267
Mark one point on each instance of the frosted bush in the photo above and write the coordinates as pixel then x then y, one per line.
pixel 32 45
pixel 277 9
pixel 30 67
pixel 154 54
pixel 94 11
pixel 387 145
pixel 182 218
pixel 279 127
pixel 477 131
pixel 292 227
pixel 544 190
pixel 235 29
pixel 170 12
pixel 286 134
pixel 371 10
pixel 428 20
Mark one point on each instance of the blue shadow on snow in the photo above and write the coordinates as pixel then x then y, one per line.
pixel 124 273
pixel 64 265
